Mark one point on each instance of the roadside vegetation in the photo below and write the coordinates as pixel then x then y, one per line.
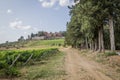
pixel 110 62
pixel 51 69
pixel 11 61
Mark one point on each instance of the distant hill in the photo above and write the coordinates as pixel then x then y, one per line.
pixel 43 35
pixel 36 39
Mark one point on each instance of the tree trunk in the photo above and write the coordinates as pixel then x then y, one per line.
pixel 100 39
pixel 86 41
pixel 90 45
pixel 111 29
pixel 96 45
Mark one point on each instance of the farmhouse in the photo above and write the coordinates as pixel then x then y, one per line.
pixel 38 38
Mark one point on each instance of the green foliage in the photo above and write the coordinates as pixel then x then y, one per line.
pixel 7 58
pixel 110 54
pixel 89 19
pixel 37 55
pixel 11 72
pixel 82 24
pixel 3 64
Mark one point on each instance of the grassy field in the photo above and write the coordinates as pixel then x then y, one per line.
pixel 54 42
pixel 43 44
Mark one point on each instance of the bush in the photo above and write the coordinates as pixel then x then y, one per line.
pixel 110 54
pixel 11 72
pixel 3 64
pixel 59 44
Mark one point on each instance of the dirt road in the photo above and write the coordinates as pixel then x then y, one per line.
pixel 80 68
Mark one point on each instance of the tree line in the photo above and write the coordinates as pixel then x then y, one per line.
pixel 47 35
pixel 94 24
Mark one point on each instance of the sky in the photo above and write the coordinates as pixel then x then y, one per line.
pixel 23 17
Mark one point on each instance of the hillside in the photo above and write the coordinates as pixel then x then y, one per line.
pixel 54 42
pixel 33 44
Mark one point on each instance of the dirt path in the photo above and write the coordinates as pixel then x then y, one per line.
pixel 80 68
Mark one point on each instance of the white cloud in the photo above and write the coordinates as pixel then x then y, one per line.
pixel 18 24
pixel 64 2
pixel 51 3
pixel 47 4
pixel 9 11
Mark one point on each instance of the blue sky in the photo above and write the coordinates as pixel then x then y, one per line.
pixel 22 17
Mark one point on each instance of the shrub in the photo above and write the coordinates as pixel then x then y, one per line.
pixel 3 64
pixel 110 54
pixel 11 72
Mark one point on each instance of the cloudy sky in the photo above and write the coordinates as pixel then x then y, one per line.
pixel 22 17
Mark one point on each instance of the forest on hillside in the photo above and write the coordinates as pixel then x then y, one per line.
pixel 94 24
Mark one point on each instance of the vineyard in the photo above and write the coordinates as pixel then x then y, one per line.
pixel 12 60
pixel 55 42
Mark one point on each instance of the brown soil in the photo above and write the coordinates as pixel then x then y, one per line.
pixel 80 68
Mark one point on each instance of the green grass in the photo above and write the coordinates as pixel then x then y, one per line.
pixel 52 69
pixel 54 42
pixel 110 54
